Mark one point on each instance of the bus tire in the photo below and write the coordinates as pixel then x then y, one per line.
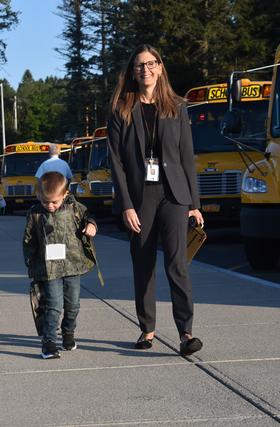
pixel 262 254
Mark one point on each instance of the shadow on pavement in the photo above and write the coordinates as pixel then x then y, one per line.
pixel 122 348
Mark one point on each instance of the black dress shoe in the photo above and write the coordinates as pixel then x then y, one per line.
pixel 143 343
pixel 190 346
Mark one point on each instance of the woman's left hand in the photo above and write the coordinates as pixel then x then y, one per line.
pixel 198 216
pixel 90 230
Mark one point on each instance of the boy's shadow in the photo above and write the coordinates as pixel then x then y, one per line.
pixel 26 341
pixel 123 348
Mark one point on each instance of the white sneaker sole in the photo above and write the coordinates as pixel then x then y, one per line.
pixel 70 349
pixel 50 356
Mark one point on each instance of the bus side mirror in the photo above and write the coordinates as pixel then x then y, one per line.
pixel 235 90
pixel 231 123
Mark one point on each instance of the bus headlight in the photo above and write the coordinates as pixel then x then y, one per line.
pixel 73 187
pixel 80 189
pixel 254 185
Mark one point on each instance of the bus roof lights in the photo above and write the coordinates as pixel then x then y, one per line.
pixel 246 82
pixel 100 132
pixel 197 95
pixel 81 139
pixel 10 149
pixel 45 148
pixel 266 90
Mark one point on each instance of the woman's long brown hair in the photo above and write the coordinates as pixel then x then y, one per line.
pixel 126 93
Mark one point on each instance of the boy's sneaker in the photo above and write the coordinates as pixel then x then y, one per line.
pixel 50 351
pixel 68 342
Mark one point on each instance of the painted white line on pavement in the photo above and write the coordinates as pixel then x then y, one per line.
pixel 187 363
pixel 254 279
pixel 190 420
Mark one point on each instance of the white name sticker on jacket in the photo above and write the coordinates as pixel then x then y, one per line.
pixel 55 251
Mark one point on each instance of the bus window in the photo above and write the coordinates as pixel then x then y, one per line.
pixel 80 158
pixel 205 123
pixel 23 164
pixel 99 156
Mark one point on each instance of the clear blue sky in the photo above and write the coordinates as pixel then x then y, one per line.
pixel 31 44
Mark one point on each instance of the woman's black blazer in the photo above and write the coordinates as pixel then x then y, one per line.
pixel 127 152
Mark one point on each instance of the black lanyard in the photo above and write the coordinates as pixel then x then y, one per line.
pixel 150 136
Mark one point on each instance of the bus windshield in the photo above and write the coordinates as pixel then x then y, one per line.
pixel 79 158
pixel 22 164
pixel 99 155
pixel 205 124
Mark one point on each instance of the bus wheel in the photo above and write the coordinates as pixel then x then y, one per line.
pixel 262 254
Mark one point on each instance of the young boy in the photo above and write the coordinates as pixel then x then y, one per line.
pixel 57 250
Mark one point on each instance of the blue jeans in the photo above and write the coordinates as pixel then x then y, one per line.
pixel 61 294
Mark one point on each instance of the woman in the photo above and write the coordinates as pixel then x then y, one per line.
pixel 155 187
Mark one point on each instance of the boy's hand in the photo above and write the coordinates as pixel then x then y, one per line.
pixel 89 230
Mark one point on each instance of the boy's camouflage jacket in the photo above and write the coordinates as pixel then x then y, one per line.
pixel 65 225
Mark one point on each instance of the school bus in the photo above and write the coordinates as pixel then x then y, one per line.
pixel 260 195
pixel 92 182
pixel 219 163
pixel 19 164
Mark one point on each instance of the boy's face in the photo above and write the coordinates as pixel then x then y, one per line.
pixel 52 201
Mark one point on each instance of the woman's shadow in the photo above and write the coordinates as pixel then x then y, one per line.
pixel 123 348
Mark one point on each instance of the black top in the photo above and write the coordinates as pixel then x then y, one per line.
pixel 149 117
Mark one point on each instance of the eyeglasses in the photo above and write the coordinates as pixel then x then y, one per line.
pixel 149 64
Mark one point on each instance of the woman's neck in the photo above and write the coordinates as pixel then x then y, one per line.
pixel 147 96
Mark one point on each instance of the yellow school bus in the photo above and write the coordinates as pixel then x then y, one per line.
pixel 19 165
pixel 219 163
pixel 92 182
pixel 260 195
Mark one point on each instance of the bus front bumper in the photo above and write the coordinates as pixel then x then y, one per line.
pixel 97 204
pixel 225 209
pixel 20 203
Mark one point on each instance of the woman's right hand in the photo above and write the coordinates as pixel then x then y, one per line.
pixel 131 220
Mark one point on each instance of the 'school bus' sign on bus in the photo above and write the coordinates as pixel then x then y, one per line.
pixel 31 148
pixel 27 148
pixel 250 91
pixel 216 93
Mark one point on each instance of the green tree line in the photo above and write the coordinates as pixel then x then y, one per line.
pixel 201 41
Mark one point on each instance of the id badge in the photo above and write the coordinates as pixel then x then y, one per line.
pixel 152 170
pixel 55 251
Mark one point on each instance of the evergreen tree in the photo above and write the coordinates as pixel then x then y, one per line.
pixel 9 99
pixel 76 53
pixel 102 15
pixel 8 20
pixel 191 36
pixel 257 26
pixel 41 109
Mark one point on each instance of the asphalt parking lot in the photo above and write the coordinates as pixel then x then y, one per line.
pixel 233 380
